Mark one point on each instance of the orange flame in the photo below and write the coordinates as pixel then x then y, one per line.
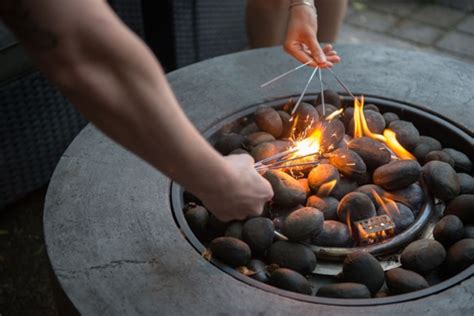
pixel 389 138
pixel 388 205
pixel 326 188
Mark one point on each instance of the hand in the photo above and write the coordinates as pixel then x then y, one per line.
pixel 244 196
pixel 301 41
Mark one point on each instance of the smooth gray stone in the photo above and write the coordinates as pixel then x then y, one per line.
pixel 110 234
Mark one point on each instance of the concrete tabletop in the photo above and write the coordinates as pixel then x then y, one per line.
pixel 109 229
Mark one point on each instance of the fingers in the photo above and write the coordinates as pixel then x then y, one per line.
pixel 316 51
pixel 297 52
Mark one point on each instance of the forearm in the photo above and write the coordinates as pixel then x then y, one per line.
pixel 114 80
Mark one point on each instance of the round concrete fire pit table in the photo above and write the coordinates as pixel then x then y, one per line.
pixel 110 233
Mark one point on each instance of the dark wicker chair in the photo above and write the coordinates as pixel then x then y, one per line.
pixel 36 122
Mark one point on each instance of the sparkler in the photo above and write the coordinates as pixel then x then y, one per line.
pixel 322 91
pixel 303 93
pixel 341 83
pixel 287 166
pixel 284 74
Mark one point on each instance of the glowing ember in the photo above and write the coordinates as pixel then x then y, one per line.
pixel 326 188
pixel 374 230
pixel 389 138
pixel 309 145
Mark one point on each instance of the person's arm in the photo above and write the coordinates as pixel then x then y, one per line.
pixel 301 37
pixel 114 80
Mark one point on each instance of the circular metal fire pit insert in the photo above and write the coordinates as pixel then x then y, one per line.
pixel 426 123
pixel 110 234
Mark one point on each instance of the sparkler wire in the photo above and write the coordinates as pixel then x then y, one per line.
pixel 341 83
pixel 284 74
pixel 322 91
pixel 304 92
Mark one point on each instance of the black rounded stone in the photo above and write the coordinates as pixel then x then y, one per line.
pixel 413 196
pixel 197 218
pixel 401 215
pixel 229 142
pixel 332 133
pixel 441 180
pixel 231 251
pixel 258 233
pixel 389 117
pixel 420 151
pixel 234 230
pixel 401 281
pixel 347 117
pixel 334 234
pixel 216 226
pixel 469 231
pixel 331 97
pixel 463 207
pixel 460 256
pixel 327 205
pixel 397 174
pixel 290 280
pixel 462 163
pixel 371 107
pixel 354 207
pixel 259 270
pixel 303 223
pixel 344 290
pixel 286 189
pixel 308 118
pixel 433 143
pixel 343 187
pixel 268 120
pixel 362 267
pixel 373 153
pixel 285 119
pixel 249 129
pixel 328 109
pixel 423 255
pixel 254 139
pixel 448 230
pixel 467 183
pixel 293 256
pixel 320 175
pixel 347 162
pixel 407 134
pixel 440 156
pixel 239 151
pixel 375 122
pixel 371 190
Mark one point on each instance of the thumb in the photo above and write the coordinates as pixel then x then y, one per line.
pixel 317 51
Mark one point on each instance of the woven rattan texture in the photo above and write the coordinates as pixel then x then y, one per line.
pixel 36 125
pixel 130 11
pixel 208 28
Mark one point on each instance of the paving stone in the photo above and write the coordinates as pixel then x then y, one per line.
pixel 467 25
pixel 438 15
pixel 372 20
pixel 357 35
pixel 417 32
pixel 457 42
pixel 400 8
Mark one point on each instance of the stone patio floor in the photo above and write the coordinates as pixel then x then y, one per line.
pixel 415 25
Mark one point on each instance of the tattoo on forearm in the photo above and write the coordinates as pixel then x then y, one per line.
pixel 18 16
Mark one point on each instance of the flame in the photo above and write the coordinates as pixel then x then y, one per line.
pixel 326 188
pixel 395 146
pixel 309 145
pixel 361 128
pixel 388 205
pixel 334 114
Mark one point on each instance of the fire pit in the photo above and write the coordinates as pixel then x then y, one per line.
pixel 115 245
pixel 386 246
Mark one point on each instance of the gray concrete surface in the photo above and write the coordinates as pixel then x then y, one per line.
pixel 411 25
pixel 110 234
